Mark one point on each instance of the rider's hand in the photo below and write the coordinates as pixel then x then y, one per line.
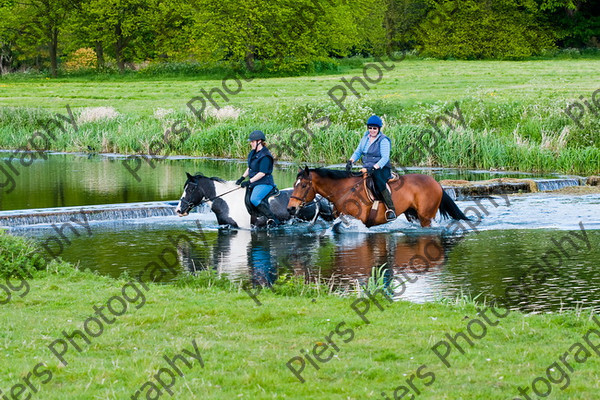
pixel 239 181
pixel 349 166
pixel 245 184
pixel 364 170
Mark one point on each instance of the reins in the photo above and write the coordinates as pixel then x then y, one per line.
pixel 184 201
pixel 221 195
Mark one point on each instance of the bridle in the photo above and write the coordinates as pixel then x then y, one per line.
pixel 206 199
pixel 302 199
pixel 184 203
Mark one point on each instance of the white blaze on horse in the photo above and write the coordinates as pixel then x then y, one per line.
pixel 227 202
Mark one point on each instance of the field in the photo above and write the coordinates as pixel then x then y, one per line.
pixel 238 348
pixel 513 114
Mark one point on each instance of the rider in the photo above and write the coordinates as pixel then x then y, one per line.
pixel 374 148
pixel 261 183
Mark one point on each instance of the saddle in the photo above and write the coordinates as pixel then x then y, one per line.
pixel 372 193
pixel 375 197
pixel 273 193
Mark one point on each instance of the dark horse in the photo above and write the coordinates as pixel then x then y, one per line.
pixel 417 196
pixel 228 202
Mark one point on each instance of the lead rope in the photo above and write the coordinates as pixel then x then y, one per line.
pixel 221 195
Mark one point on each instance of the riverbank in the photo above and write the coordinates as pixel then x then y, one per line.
pixel 514 115
pixel 244 347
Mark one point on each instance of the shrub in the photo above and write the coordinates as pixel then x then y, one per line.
pixel 81 59
pixel 474 29
pixel 19 257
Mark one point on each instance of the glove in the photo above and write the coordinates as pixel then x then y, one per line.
pixel 239 181
pixel 349 166
pixel 245 184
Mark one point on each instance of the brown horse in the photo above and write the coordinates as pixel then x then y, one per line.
pixel 417 196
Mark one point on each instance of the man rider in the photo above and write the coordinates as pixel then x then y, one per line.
pixel 374 148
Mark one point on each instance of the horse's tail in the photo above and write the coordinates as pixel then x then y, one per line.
pixel 449 209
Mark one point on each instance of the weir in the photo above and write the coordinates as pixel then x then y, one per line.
pixel 104 212
pixel 469 190
pixel 555 184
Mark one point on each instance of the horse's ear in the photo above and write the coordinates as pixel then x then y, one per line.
pixel 306 171
pixel 188 175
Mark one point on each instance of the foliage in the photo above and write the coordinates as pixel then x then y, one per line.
pixel 475 29
pixel 81 59
pixel 281 37
pixel 19 257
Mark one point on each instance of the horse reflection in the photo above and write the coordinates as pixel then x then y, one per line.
pixel 343 261
pixel 394 258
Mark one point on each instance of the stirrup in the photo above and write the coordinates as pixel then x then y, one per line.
pixel 390 215
pixel 272 223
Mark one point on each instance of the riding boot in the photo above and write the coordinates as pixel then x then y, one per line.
pixel 390 214
pixel 264 209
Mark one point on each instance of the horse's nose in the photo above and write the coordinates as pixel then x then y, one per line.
pixel 291 210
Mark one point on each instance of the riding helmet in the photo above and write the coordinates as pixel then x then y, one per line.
pixel 257 135
pixel 375 120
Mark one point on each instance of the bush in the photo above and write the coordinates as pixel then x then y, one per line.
pixel 19 257
pixel 81 59
pixel 475 29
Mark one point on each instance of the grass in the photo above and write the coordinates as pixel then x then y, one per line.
pixel 513 111
pixel 245 347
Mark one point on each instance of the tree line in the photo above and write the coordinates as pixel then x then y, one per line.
pixel 283 35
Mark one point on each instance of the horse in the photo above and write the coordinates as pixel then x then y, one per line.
pixel 417 196
pixel 228 202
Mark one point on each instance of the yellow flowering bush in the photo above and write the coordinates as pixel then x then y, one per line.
pixel 84 58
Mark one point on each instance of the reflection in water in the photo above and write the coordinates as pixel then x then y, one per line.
pixel 76 180
pixel 344 262
pixel 430 267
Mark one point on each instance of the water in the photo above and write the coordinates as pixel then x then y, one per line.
pixel 66 180
pixel 432 266
pixel 502 247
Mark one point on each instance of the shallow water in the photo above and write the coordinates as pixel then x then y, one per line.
pixel 75 180
pixel 510 243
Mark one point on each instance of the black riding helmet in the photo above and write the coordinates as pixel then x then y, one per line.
pixel 257 135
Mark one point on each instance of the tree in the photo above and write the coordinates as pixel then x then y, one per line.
pixel 475 29
pixel 576 23
pixel 120 25
pixel 40 22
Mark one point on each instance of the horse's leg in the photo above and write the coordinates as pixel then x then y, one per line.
pixel 401 203
pixel 429 203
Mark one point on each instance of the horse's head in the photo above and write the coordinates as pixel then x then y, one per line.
pixel 304 191
pixel 195 190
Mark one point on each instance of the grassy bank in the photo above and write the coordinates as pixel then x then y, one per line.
pixel 244 347
pixel 513 114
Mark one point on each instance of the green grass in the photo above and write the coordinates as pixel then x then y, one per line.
pixel 245 347
pixel 513 113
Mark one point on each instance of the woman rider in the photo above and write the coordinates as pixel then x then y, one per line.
pixel 261 183
pixel 374 148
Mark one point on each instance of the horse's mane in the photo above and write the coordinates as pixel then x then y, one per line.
pixel 212 178
pixel 329 173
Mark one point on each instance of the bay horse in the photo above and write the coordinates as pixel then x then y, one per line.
pixel 227 202
pixel 417 196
